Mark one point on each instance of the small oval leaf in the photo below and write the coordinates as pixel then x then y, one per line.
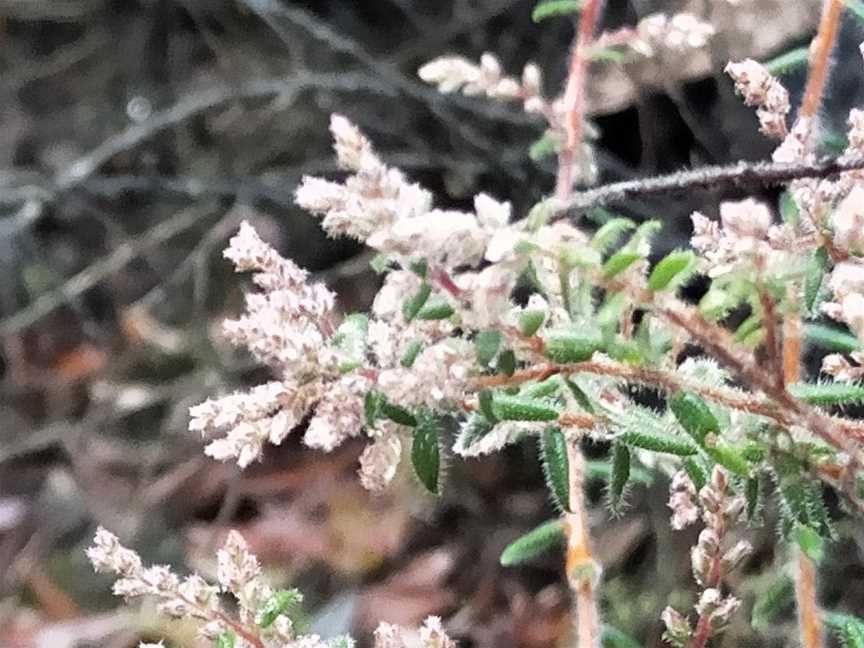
pixel 534 543
pixel 672 270
pixel 517 408
pixel 694 415
pixel 425 451
pixel 556 466
pixel 568 347
pixel 619 262
pixel 620 475
pixel 659 442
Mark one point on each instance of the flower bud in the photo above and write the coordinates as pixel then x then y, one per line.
pixel 736 555
pixel 678 630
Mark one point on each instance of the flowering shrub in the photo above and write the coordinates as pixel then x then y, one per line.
pixel 492 328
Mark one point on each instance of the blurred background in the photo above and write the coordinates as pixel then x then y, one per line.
pixel 135 135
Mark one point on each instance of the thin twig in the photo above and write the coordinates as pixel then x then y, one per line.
pixel 582 569
pixel 97 272
pixel 574 97
pixel 668 381
pixel 739 174
pixel 820 58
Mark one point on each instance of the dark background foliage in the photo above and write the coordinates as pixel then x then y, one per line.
pixel 134 137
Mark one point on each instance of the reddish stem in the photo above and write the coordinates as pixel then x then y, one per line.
pixel 574 97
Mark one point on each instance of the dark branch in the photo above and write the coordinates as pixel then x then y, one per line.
pixel 740 174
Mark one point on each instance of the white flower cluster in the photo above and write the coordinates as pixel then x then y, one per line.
pixel 191 597
pixel 759 88
pixel 378 206
pixel 710 561
pixel 452 73
pixel 659 34
pixel 743 236
pixel 239 574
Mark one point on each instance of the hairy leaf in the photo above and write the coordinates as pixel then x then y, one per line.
pixel 694 415
pixel 411 353
pixel 619 262
pixel 567 347
pixel 425 450
pixel 486 345
pixel 412 306
pixel 659 442
pixel 287 602
pixel 672 270
pixel 556 466
pixel 620 475
pixel 518 408
pixel 551 8
pixel 828 393
pixel 530 321
pixel 610 233
pixel 534 543
pixel 398 414
pixel 436 308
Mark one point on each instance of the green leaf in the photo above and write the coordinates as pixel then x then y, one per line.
pixel 727 457
pixel 750 331
pixel 754 494
pixel 565 347
pixel 613 54
pixel 285 602
pixel 518 408
pixel 485 398
pixel 552 8
pixel 350 342
pixel 694 415
pixel 619 262
pixel 802 503
pixel 420 268
pixel 556 466
pixel 855 7
pixel 435 308
pixel 380 263
pixel 620 475
pixel 578 394
pixel 506 363
pixel 543 389
pixel 486 345
pixel 530 321
pixel 789 209
pixel 398 414
pixel 849 629
pixel 830 338
pixel 659 442
pixel 696 471
pixel 828 393
pixel 615 638
pixel 534 543
pixel 811 543
pixel 814 287
pixel 473 429
pixel 610 233
pixel 537 216
pixel 226 639
pixel 610 313
pixel 425 451
pixel 413 305
pixel 778 599
pixel 672 270
pixel 544 146
pixel 788 61
pixel 372 404
pixel 411 353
